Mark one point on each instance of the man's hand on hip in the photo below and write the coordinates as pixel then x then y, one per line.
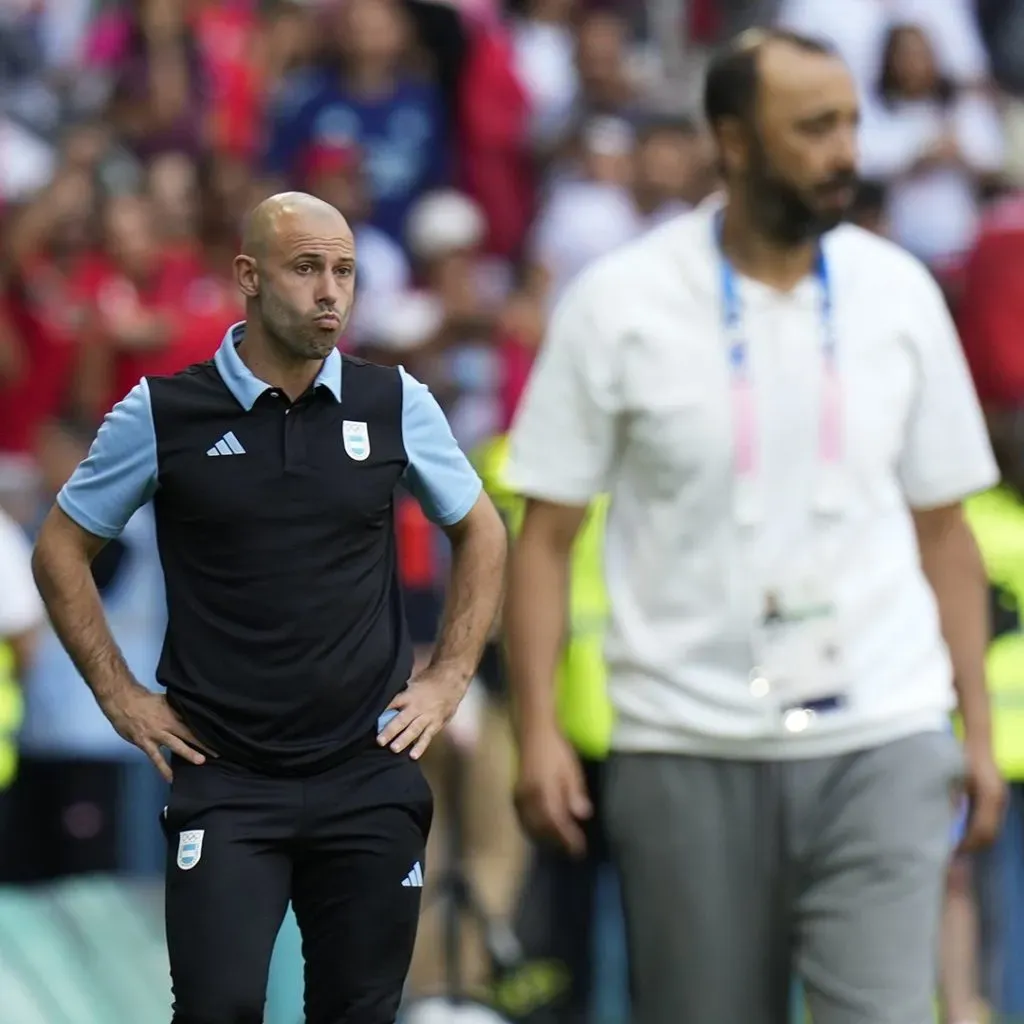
pixel 146 719
pixel 424 708
pixel 551 792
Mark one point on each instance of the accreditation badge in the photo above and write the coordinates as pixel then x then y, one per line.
pixel 798 655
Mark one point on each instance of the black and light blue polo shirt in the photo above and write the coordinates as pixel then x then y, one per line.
pixel 274 519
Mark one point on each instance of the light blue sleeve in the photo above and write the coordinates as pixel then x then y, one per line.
pixel 439 475
pixel 118 476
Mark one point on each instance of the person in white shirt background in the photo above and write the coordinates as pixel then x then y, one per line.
pixel 935 142
pixel 782 415
pixel 21 616
pixel 82 791
pixel 628 180
pixel 858 28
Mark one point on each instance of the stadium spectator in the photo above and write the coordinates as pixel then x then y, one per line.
pixel 159 81
pixel 380 99
pixel 149 304
pixel 335 173
pixel 858 28
pixel 70 796
pixel 446 231
pixel 53 272
pixel 625 186
pixel 935 144
pixel 991 306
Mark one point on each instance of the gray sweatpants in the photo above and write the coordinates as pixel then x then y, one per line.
pixel 737 875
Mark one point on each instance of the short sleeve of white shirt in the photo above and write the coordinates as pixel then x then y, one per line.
pixel 563 439
pixel 21 608
pixel 946 455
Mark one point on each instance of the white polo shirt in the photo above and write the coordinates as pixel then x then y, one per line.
pixel 631 395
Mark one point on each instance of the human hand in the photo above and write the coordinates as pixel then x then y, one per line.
pixel 551 792
pixel 986 794
pixel 146 720
pixel 946 149
pixel 424 708
pixel 132 327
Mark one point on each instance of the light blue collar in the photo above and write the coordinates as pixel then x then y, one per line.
pixel 247 388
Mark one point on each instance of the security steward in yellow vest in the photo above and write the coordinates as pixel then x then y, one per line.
pixel 997 520
pixel 557 910
pixel 10 716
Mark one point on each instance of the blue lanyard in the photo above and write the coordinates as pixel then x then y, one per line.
pixel 732 310
pixel 744 413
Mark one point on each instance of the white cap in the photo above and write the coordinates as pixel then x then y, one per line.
pixel 442 222
pixel 608 136
pixel 404 321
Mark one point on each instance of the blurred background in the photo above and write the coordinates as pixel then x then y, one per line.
pixel 484 152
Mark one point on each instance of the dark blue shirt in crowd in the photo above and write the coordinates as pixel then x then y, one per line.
pixel 401 136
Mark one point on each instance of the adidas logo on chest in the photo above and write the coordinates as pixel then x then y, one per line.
pixel 227 445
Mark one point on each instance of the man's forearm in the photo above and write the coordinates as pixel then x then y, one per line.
pixel 474 591
pixel 61 567
pixel 954 568
pixel 536 622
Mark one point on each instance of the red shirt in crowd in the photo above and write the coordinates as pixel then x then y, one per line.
pixel 496 163
pixel 196 306
pixel 47 309
pixel 991 306
pixel 226 33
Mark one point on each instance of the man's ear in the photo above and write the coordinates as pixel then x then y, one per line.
pixel 734 145
pixel 247 276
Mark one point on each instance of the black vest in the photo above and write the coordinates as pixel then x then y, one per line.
pixel 285 636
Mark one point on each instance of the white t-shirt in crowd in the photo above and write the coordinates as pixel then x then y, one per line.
pixel 857 29
pixel 546 64
pixel 21 608
pixel 631 395
pixel 384 277
pixel 582 221
pixel 933 213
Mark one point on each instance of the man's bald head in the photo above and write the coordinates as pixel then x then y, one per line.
pixel 297 272
pixel 288 214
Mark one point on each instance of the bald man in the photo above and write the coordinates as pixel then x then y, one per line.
pixel 292 723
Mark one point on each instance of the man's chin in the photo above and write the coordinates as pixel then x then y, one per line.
pixel 321 344
pixel 831 219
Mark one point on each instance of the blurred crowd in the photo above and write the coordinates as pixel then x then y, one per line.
pixel 484 152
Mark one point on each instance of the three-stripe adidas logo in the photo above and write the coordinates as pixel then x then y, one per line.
pixel 414 880
pixel 227 445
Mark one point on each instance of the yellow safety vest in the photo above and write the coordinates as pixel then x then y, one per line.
pixel 584 710
pixel 997 519
pixel 11 710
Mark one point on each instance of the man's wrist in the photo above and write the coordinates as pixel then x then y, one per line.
pixel 112 693
pixel 535 718
pixel 454 673
pixel 976 716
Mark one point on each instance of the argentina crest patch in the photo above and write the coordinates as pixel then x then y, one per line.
pixel 356 439
pixel 190 848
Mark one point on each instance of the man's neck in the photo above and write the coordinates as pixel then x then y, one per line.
pixel 267 363
pixel 756 255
